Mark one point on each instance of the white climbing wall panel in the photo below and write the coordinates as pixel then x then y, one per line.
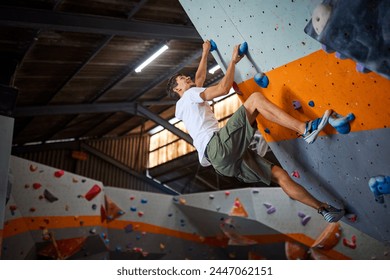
pixel 273 30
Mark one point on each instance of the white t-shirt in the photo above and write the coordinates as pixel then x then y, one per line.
pixel 198 118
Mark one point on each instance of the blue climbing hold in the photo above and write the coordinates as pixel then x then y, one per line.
pixel 133 209
pixel 379 185
pixel 311 103
pixel 341 123
pixel 243 49
pixel 144 201
pixel 262 80
pixel 213 45
pixel 267 131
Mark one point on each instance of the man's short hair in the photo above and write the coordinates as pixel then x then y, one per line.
pixel 172 83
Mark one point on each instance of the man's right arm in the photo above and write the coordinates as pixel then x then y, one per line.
pixel 226 83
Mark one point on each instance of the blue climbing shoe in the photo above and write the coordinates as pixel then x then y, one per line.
pixel 314 127
pixel 331 214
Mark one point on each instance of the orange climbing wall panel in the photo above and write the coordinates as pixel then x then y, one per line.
pixel 330 83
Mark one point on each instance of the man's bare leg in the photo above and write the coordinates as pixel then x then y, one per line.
pixel 258 103
pixel 299 193
pixel 293 189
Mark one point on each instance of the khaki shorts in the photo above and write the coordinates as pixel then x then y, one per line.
pixel 230 156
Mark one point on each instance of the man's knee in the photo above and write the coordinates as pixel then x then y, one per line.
pixel 257 98
pixel 257 95
pixel 279 175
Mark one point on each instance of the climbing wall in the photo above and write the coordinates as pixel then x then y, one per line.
pixel 337 167
pixel 53 214
pixel 6 129
pixel 50 205
pixel 267 216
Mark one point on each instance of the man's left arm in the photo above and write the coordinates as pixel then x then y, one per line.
pixel 201 73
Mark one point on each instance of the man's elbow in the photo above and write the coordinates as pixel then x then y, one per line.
pixel 225 89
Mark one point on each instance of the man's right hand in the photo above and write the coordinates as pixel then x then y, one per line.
pixel 206 46
pixel 235 56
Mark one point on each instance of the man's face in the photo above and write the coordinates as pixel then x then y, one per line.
pixel 183 83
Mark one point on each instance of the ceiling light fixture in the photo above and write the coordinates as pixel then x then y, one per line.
pixel 150 59
pixel 215 68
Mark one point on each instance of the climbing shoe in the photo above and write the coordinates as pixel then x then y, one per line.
pixel 331 214
pixel 314 127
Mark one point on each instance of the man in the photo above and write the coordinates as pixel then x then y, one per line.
pixel 226 149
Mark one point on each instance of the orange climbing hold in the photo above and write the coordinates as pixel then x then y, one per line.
pixel 238 209
pixel 329 237
pixel 112 210
pixel 62 249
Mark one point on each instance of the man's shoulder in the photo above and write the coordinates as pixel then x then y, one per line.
pixel 194 90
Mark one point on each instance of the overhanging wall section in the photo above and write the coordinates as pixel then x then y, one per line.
pixel 131 151
pixel 337 167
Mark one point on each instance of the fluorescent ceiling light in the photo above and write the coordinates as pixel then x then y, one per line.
pixel 150 59
pixel 215 68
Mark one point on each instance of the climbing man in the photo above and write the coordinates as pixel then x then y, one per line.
pixel 226 149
